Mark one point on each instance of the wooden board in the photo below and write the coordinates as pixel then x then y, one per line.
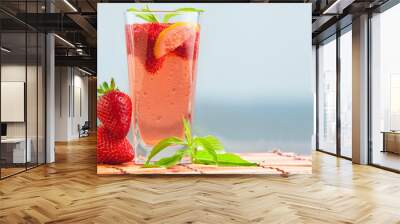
pixel 277 163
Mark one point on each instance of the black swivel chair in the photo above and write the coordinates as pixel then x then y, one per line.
pixel 84 130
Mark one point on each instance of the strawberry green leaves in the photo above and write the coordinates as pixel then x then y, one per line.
pixel 148 15
pixel 206 150
pixel 112 86
pixel 105 87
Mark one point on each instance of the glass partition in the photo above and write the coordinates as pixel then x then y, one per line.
pixel 346 93
pixel 14 155
pixel 31 98
pixel 31 88
pixel 327 95
pixel 41 97
pixel 22 77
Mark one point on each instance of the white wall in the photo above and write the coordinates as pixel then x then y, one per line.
pixel 69 82
pixel 80 83
pixel 62 82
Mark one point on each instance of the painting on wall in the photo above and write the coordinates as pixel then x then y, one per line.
pixel 204 88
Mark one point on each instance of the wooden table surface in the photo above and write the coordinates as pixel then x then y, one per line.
pixel 277 163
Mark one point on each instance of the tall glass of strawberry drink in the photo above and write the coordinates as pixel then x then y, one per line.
pixel 162 58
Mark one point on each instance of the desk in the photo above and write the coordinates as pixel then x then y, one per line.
pixel 391 141
pixel 15 148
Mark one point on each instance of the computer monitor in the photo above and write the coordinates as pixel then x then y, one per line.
pixel 3 129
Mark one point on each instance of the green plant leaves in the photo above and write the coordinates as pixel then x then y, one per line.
pixel 150 166
pixel 206 150
pixel 225 159
pixel 150 15
pixel 203 144
pixel 167 17
pixel 188 133
pixel 147 15
pixel 132 9
pixel 162 145
pixel 189 10
pixel 169 161
pixel 213 142
pixel 172 160
pixel 209 143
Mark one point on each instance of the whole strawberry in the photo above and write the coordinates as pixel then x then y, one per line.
pixel 111 150
pixel 114 109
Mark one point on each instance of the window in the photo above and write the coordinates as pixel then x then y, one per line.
pixel 385 89
pixel 346 93
pixel 22 77
pixel 327 96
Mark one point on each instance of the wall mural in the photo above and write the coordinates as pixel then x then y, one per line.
pixel 204 89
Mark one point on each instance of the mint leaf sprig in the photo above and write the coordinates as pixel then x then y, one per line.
pixel 177 12
pixel 206 150
pixel 147 15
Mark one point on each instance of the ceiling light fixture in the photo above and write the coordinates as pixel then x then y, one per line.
pixel 70 5
pixel 84 71
pixel 5 50
pixel 64 40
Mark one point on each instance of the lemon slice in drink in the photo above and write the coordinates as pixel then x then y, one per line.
pixel 172 37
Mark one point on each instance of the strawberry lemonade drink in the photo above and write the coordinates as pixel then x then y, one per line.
pixel 162 57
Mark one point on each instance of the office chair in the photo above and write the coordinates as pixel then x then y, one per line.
pixel 84 130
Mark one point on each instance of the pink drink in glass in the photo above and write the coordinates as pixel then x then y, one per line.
pixel 162 86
